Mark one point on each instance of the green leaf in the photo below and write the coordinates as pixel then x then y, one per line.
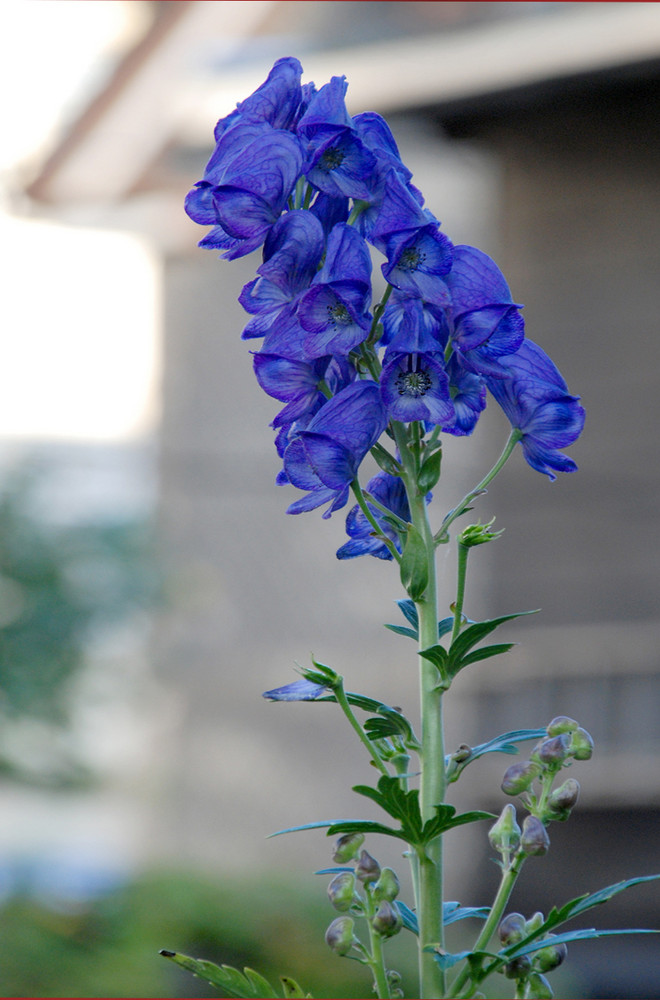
pixel 458 651
pixel 363 826
pixel 444 821
pixel 446 960
pixel 445 626
pixel 385 460
pixel 500 744
pixel 438 656
pixel 409 612
pixel 429 472
pixel 292 991
pixel 410 921
pixel 402 630
pixel 485 652
pixel 454 911
pixel 414 564
pixel 583 903
pixel 305 826
pixel 247 984
pixel 389 722
pixel 583 934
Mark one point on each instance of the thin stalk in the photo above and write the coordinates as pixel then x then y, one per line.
pixel 376 961
pixel 461 507
pixel 504 891
pixel 463 551
pixel 364 507
pixel 343 702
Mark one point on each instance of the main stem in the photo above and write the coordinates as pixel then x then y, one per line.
pixel 433 781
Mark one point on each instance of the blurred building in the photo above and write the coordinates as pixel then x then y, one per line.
pixel 532 129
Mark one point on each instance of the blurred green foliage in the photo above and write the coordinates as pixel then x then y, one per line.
pixel 109 946
pixel 61 585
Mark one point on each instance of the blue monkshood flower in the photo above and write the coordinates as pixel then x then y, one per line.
pixel 324 458
pixel 468 394
pixel 338 374
pixel 334 311
pixel 337 161
pixel 487 324
pixel 278 100
pixel 295 383
pixel 330 210
pixel 391 493
pixel 411 325
pixel 246 187
pixel 375 133
pixel 416 387
pixel 418 255
pixel 535 398
pixel 301 690
pixel 292 253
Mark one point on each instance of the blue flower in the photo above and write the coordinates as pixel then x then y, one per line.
pixel 391 493
pixel 335 309
pixel 468 394
pixel 292 253
pixel 418 254
pixel 411 325
pixel 487 324
pixel 324 458
pixel 535 398
pixel 295 383
pixel 416 387
pixel 301 690
pixel 246 187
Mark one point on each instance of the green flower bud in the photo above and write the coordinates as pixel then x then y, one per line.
pixel 387 920
pixel 538 987
pixel 518 968
pixel 339 935
pixel 519 777
pixel 477 534
pixel 582 744
pixel 563 799
pixel 367 869
pixel 534 922
pixel 549 958
pixel 504 835
pixel 394 982
pixel 561 724
pixel 341 891
pixel 512 929
pixel 387 887
pixel 534 840
pixel 553 752
pixel 347 847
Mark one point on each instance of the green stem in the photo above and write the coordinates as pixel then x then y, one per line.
pixel 463 551
pixel 342 700
pixel 504 891
pixel 376 960
pixel 514 437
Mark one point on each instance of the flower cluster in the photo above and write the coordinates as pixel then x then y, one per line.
pixel 294 173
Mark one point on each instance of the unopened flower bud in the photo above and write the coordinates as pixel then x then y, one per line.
pixel 367 869
pixel 582 744
pixel 561 724
pixel 519 777
pixel 504 835
pixel 339 935
pixel 387 920
pixel 554 751
pixel 387 887
pixel 394 982
pixel 534 922
pixel 341 891
pixel 534 840
pixel 549 958
pixel 518 968
pixel 538 987
pixel 563 799
pixel 512 928
pixel 347 847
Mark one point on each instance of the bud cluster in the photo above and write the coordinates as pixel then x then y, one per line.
pixel 529 970
pixel 361 888
pixel 532 780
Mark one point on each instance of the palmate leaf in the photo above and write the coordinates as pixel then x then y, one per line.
pixel 584 934
pixel 451 912
pixel 459 655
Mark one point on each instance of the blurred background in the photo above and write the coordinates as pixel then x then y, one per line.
pixel 151 586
